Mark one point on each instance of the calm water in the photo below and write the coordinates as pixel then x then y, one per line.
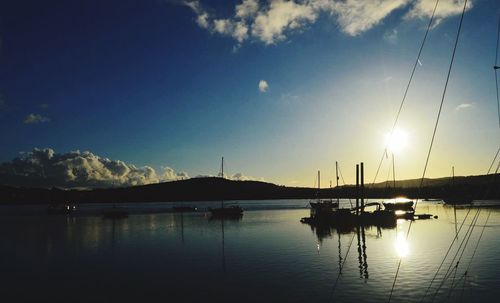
pixel 267 256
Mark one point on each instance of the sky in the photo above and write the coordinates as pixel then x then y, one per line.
pixel 100 93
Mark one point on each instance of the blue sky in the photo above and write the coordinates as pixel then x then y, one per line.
pixel 176 84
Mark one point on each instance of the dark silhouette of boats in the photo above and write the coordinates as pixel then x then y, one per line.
pixel 453 195
pixel 403 206
pixel 351 217
pixel 323 204
pixel 185 209
pixel 223 212
pixel 233 211
pixel 60 208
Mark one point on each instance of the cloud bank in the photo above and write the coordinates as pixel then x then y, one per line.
pixel 270 21
pixel 46 168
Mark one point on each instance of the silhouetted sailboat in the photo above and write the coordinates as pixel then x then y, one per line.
pixel 231 211
pixel 453 196
pixel 323 204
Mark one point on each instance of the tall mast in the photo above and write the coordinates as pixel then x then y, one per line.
pixel 222 168
pixel 453 175
pixel 222 176
pixel 393 172
pixel 319 186
pixel 337 178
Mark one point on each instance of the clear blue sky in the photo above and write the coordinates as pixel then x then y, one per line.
pixel 176 84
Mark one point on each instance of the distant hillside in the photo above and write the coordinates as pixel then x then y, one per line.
pixel 207 189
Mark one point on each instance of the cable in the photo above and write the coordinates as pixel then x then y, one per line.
pixel 343 181
pixel 446 255
pixel 407 87
pixel 435 129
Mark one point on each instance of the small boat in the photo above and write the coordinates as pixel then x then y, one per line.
pixel 185 209
pixel 323 204
pixel 61 208
pixel 454 197
pixel 232 211
pixel 405 206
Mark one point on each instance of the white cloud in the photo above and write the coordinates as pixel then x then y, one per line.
pixel 170 174
pixel 242 177
pixel 357 16
pixel 45 167
pixel 446 8
pixel 247 8
pixel 464 106
pixel 35 118
pixel 263 86
pixel 269 25
pixel 271 21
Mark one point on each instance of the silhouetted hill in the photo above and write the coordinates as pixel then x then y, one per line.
pixel 207 189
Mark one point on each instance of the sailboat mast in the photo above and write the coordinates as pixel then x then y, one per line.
pixel 222 168
pixel 453 175
pixel 393 172
pixel 222 176
pixel 319 186
pixel 337 177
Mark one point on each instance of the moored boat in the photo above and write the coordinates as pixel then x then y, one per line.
pixel 232 211
pixel 404 206
pixel 185 209
pixel 61 208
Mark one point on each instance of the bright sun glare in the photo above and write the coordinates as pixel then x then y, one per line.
pixel 397 142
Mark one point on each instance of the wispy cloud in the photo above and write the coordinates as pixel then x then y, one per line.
pixel 271 21
pixel 45 167
pixel 391 36
pixel 35 119
pixel 263 86
pixel 465 106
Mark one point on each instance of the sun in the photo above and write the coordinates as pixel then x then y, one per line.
pixel 397 141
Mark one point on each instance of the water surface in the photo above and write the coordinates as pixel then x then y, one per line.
pixel 267 256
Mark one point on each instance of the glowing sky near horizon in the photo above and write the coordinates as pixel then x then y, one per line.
pixel 281 89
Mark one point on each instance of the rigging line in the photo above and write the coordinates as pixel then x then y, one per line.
pixel 493 162
pixel 435 130
pixel 453 281
pixel 477 245
pixel 442 98
pixel 407 86
pixel 465 240
pixel 340 271
pixel 446 255
pixel 343 181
